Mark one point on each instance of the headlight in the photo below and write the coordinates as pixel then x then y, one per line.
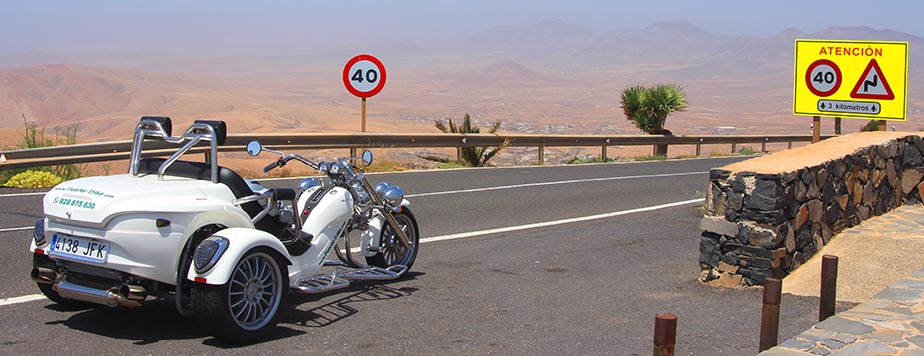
pixel 394 195
pixel 38 233
pixel 381 187
pixel 208 252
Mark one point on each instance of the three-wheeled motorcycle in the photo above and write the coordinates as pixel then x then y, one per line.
pixel 225 249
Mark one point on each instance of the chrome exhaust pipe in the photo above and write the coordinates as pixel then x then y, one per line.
pixel 43 275
pixel 78 292
pixel 135 293
pixel 111 298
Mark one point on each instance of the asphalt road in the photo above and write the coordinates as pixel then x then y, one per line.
pixel 590 287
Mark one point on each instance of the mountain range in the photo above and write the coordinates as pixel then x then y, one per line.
pixel 533 77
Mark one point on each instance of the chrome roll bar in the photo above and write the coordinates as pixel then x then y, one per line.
pixel 196 133
pixel 268 195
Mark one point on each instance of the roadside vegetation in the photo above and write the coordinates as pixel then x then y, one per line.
pixel 468 156
pixel 592 159
pixel 47 176
pixel 648 108
pixel 873 125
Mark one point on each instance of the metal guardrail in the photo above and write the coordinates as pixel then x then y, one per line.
pixel 118 150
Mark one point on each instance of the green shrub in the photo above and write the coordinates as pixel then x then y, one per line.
pixel 747 151
pixel 451 164
pixel 35 138
pixel 593 159
pixel 651 158
pixel 33 179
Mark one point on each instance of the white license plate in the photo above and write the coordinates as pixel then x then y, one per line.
pixel 80 249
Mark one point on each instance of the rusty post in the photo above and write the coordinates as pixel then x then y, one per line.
pixel 828 294
pixel 837 125
pixel 603 154
pixel 883 125
pixel 789 145
pixel 665 334
pixel 699 149
pixel 541 155
pixel 734 147
pixel 816 129
pixel 363 114
pixel 770 314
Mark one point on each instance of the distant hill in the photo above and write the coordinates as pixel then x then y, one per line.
pixel 102 98
pixel 503 74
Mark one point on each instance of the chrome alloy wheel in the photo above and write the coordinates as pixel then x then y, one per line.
pixel 393 250
pixel 255 291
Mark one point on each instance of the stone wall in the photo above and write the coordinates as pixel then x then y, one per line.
pixel 765 217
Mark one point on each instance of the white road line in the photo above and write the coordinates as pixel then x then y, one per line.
pixel 556 182
pixel 473 190
pixel 556 222
pixel 23 299
pixel 21 194
pixel 477 189
pixel 17 228
pixel 34 297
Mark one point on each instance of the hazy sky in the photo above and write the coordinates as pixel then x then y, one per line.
pixel 201 27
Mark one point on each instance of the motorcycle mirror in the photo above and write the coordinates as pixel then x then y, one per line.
pixel 367 157
pixel 254 148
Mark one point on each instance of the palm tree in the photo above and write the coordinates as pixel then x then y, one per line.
pixel 469 156
pixel 648 108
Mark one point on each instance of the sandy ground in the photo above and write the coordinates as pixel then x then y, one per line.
pixel 871 256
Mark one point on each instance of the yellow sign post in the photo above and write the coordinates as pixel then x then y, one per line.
pixel 856 79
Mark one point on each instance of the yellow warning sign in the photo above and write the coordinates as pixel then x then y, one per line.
pixel 862 79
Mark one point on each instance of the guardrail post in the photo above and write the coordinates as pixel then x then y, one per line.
pixel 837 125
pixel 763 145
pixel 827 298
pixel 699 147
pixel 541 155
pixel 789 145
pixel 603 153
pixel 734 146
pixel 665 334
pixel 883 125
pixel 770 314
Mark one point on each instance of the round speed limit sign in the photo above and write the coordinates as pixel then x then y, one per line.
pixel 364 75
pixel 823 77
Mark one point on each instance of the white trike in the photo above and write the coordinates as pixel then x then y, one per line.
pixel 225 249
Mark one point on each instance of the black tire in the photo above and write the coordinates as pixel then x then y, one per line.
pixel 183 290
pixel 224 311
pixel 391 251
pixel 50 293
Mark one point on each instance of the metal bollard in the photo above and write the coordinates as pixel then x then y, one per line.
pixel 665 334
pixel 770 315
pixel 828 296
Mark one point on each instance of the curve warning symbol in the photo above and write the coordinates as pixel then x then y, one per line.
pixel 872 84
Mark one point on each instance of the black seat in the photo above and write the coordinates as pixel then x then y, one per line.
pixel 228 177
